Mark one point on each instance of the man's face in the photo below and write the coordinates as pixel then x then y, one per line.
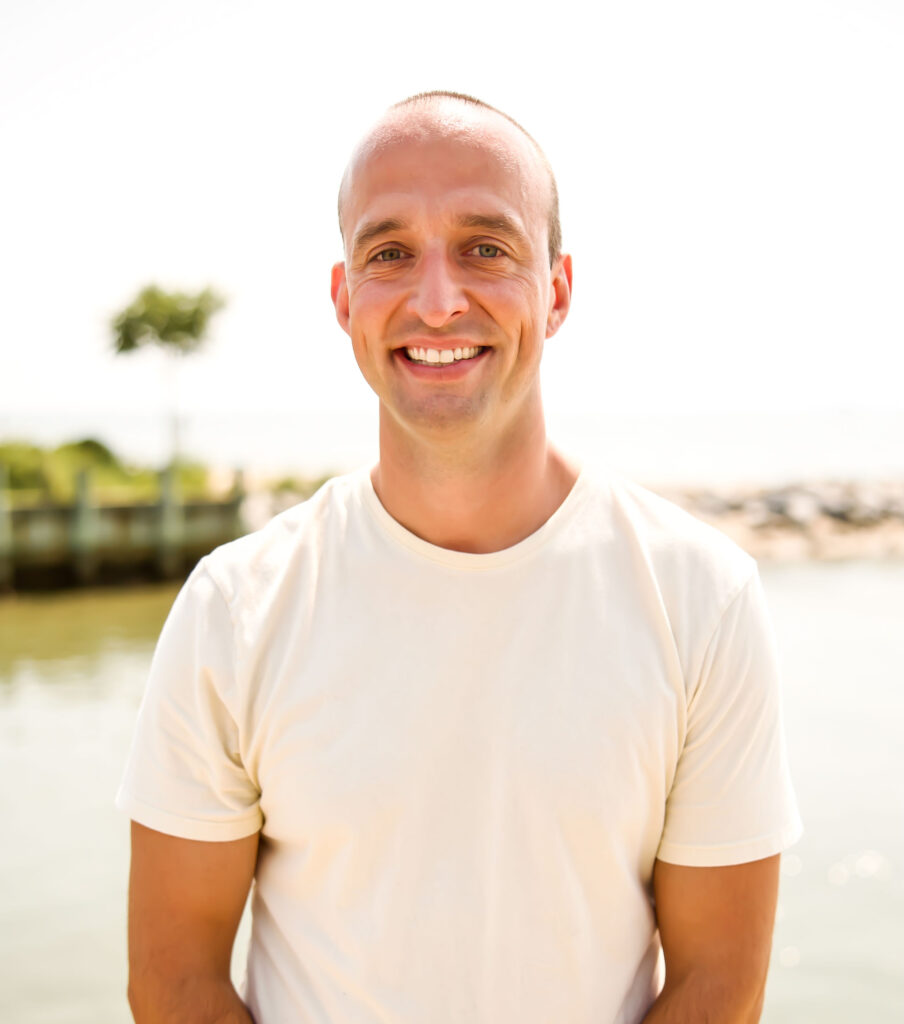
pixel 446 291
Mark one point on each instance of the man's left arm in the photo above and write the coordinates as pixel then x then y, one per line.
pixel 716 925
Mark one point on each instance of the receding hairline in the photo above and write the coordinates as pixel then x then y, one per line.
pixel 437 96
pixel 435 99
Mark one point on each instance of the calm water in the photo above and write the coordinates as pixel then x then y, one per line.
pixel 72 669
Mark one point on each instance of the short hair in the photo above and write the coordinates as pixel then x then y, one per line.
pixel 554 223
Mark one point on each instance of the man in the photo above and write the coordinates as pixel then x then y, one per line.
pixel 493 738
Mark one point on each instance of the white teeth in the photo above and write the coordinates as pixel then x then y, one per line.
pixel 441 355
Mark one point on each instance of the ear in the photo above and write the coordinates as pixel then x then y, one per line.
pixel 560 295
pixel 339 292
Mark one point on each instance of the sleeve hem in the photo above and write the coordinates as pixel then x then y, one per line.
pixel 725 854
pixel 188 828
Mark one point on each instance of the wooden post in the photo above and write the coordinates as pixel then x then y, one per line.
pixel 237 498
pixel 6 532
pixel 83 539
pixel 170 556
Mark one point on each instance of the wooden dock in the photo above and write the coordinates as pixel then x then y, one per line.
pixel 85 542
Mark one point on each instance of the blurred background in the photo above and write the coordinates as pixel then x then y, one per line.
pixel 730 183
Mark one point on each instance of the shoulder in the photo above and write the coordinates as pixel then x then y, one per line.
pixel 665 527
pixel 692 566
pixel 289 545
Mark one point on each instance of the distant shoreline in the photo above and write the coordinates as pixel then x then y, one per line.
pixel 818 520
pixel 824 521
pixel 675 450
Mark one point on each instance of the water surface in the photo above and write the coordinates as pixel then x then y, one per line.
pixel 72 670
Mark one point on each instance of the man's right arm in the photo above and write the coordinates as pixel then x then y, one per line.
pixel 185 902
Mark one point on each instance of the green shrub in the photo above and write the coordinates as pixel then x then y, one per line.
pixel 24 464
pixel 40 474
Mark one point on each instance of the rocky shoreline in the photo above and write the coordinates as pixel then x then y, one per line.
pixel 823 521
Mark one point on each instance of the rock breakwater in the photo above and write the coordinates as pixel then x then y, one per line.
pixel 827 520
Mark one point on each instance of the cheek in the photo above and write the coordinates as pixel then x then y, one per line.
pixel 510 300
pixel 372 303
pixel 526 292
pixel 523 306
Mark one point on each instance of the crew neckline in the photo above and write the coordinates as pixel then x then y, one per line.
pixel 469 561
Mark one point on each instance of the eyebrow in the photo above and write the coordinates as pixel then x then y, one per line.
pixel 499 223
pixel 373 230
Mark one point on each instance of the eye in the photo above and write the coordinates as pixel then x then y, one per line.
pixel 487 251
pixel 388 255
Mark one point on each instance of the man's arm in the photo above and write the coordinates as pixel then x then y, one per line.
pixel 716 930
pixel 185 903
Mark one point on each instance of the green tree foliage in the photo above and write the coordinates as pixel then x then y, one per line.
pixel 24 465
pixel 35 474
pixel 176 320
pixel 89 453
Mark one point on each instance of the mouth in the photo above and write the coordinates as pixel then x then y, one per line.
pixel 442 356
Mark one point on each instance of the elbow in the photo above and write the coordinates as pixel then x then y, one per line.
pixel 154 998
pixel 756 1006
pixel 137 997
pixel 184 998
pixel 144 993
pixel 136 993
pixel 709 996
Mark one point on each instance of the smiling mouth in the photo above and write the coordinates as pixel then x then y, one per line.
pixel 441 356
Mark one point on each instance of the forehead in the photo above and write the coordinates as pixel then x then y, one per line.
pixel 433 160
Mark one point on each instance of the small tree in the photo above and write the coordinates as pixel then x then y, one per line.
pixel 176 322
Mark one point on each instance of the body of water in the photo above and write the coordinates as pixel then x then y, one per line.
pixel 72 670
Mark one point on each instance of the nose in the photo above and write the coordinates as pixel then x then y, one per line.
pixel 437 296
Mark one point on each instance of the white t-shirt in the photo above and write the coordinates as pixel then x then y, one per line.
pixel 464 765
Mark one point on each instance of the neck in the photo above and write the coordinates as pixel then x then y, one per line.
pixel 476 498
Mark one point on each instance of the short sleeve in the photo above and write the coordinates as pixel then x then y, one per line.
pixel 731 800
pixel 185 775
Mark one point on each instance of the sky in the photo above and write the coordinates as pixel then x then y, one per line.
pixel 730 176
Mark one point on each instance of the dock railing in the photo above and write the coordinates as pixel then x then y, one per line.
pixel 85 541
